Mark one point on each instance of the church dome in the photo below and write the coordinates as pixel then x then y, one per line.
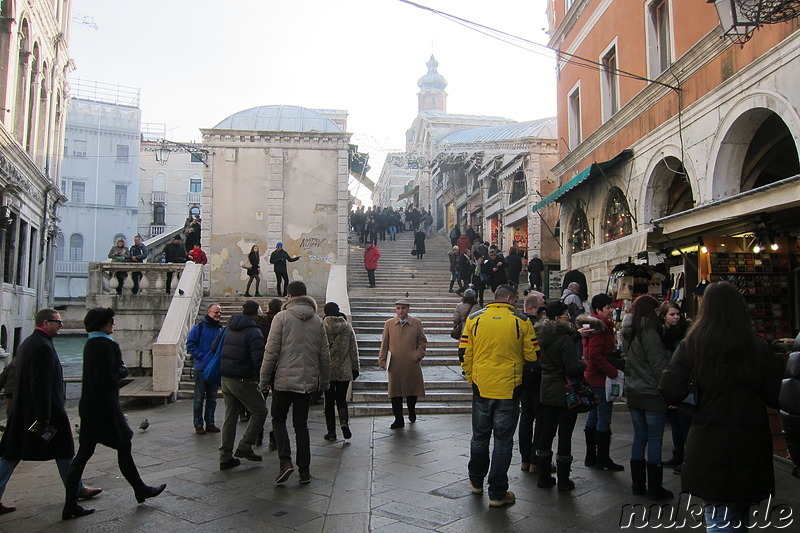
pixel 432 81
pixel 279 118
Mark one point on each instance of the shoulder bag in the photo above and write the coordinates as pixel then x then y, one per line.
pixel 580 396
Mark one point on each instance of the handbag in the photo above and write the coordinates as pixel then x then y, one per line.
pixel 456 332
pixel 413 251
pixel 615 387
pixel 246 265
pixel 580 396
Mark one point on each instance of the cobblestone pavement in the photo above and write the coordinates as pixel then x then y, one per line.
pixel 407 480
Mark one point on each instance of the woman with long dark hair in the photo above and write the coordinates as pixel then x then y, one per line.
pixel 254 272
pixel 734 375
pixel 674 327
pixel 646 359
pixel 102 421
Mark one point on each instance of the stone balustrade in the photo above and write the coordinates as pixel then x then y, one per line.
pixel 103 278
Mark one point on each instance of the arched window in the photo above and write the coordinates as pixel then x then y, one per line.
pixel 617 220
pixel 159 215
pixel 194 211
pixel 771 156
pixel 76 247
pixel 579 232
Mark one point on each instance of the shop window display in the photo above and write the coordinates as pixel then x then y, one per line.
pixel 579 237
pixel 618 221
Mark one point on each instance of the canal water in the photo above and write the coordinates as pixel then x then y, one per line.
pixel 70 351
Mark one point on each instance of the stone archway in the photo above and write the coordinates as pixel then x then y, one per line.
pixel 670 188
pixel 750 142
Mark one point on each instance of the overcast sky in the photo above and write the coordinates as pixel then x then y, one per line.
pixel 198 61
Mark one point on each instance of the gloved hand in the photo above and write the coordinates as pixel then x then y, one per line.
pixel 263 386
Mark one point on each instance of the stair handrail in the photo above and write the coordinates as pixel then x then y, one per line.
pixel 169 350
pixel 337 289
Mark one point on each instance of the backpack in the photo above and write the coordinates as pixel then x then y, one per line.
pixel 212 373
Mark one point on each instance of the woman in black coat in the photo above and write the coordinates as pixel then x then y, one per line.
pixel 556 337
pixel 419 243
pixel 102 421
pixel 728 459
pixel 254 272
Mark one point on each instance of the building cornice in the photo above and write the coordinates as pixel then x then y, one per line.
pixel 700 55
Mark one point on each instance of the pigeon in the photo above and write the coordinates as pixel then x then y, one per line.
pixel 406 294
pixel 413 276
pixel 180 292
pixel 144 425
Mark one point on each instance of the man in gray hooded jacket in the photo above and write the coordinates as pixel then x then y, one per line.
pixel 297 354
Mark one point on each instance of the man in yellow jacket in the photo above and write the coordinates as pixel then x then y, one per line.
pixel 495 343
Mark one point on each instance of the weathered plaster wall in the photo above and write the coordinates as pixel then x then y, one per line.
pixel 272 189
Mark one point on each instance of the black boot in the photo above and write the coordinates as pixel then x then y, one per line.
pixel 330 421
pixel 677 459
pixel 411 401
pixel 563 463
pixel 543 459
pixel 344 420
pixel 604 461
pixel 257 284
pixel 655 477
pixel 144 492
pixel 638 477
pixel 591 447
pixel 397 411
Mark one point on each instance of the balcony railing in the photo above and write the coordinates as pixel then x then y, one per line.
pixel 156 230
pixel 194 197
pixel 160 197
pixel 72 268
pixel 103 278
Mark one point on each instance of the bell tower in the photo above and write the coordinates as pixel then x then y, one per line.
pixel 431 95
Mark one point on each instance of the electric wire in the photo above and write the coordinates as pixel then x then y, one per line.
pixel 574 59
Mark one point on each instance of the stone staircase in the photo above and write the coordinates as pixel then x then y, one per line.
pixel 426 282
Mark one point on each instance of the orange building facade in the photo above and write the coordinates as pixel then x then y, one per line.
pixel 670 133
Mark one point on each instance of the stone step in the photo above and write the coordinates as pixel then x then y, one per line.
pixel 422 408
pixel 431 396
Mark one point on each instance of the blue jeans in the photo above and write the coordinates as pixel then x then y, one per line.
pixel 498 417
pixel 648 431
pixel 392 233
pixel 724 517
pixel 203 390
pixel 7 468
pixel 600 417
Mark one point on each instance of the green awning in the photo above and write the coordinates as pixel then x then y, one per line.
pixel 595 169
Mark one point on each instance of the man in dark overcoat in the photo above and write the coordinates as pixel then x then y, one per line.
pixel 38 404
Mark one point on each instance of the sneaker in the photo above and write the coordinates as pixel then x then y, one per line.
pixel 507 499
pixel 5 509
pixel 346 433
pixel 305 478
pixel 199 430
pixel 247 454
pixel 285 472
pixel 330 436
pixel 227 465
pixel 477 488
pixel 211 428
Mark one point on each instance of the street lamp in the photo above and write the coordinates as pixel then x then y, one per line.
pixel 162 153
pixel 740 18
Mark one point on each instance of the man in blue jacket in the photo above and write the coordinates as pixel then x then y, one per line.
pixel 198 344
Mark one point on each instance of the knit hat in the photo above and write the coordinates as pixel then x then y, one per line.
pixel 279 245
pixel 469 293
pixel 97 318
pixel 332 309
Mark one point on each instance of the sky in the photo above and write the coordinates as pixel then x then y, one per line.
pixel 196 62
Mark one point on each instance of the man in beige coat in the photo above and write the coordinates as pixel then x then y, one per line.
pixel 402 349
